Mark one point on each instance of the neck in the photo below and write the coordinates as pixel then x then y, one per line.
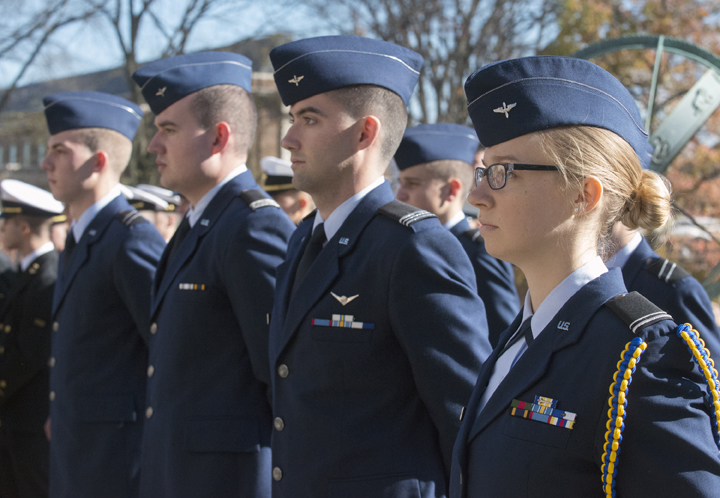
pixel 78 206
pixel 32 243
pixel 328 201
pixel 544 273
pixel 445 217
pixel 203 188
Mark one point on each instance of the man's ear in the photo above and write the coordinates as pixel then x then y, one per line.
pixel 101 161
pixel 370 131
pixel 222 137
pixel 454 188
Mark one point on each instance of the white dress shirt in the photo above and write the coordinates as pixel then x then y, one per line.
pixel 79 225
pixel 196 212
pixel 454 220
pixel 541 318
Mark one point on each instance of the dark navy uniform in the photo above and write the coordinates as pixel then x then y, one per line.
pixel 495 281
pixel 208 416
pixel 674 290
pixel 7 275
pixel 25 319
pixel 373 356
pixel 572 361
pixel 208 423
pixel 101 311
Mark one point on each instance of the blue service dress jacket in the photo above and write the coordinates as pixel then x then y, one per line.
pixel 667 446
pixel 674 290
pixel 495 281
pixel 373 357
pixel 101 311
pixel 25 320
pixel 207 431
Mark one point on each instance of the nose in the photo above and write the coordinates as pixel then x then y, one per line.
pixel 154 147
pixel 290 141
pixel 401 194
pixel 45 164
pixel 481 196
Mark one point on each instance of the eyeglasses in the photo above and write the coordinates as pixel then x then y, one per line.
pixel 498 173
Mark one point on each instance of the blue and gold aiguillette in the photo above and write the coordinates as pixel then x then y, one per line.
pixel 543 410
pixel 200 287
pixel 343 321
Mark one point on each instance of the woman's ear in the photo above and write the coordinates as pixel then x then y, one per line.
pixel 589 198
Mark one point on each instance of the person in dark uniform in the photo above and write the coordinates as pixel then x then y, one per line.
pixel 165 220
pixel 377 332
pixel 101 305
pixel 664 283
pixel 591 391
pixel 208 419
pixel 25 319
pixel 278 183
pixel 436 174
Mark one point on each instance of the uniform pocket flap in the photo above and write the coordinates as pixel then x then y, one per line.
pixel 106 409
pixel 377 487
pixel 222 436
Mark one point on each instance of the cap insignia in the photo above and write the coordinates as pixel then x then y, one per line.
pixel 505 109
pixel 161 92
pixel 296 80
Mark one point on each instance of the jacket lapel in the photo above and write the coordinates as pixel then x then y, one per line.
pixel 194 237
pixel 93 232
pixel 326 268
pixel 573 317
pixel 18 286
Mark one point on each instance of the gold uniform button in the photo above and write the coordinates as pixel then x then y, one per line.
pixel 2 349
pixel 56 326
pixel 3 383
pixel 283 371
pixel 153 328
pixel 51 362
pixel 52 395
pixel 151 371
pixel 149 412
pixel 277 473
pixel 279 424
pixel 7 329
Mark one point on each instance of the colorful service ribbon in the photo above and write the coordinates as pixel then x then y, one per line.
pixel 543 410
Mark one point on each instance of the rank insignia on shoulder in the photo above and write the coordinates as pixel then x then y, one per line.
pixel 257 199
pixel 200 287
pixel 128 218
pixel 636 311
pixel 665 270
pixel 342 321
pixel 473 234
pixel 543 410
pixel 404 214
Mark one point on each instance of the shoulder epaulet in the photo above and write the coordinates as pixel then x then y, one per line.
pixel 636 311
pixel 257 199
pixel 130 218
pixel 473 234
pixel 405 214
pixel 665 270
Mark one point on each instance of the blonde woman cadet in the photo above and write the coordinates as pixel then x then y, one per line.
pixel 591 391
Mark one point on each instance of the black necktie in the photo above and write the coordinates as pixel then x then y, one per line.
pixel 69 246
pixel 180 234
pixel 525 330
pixel 313 248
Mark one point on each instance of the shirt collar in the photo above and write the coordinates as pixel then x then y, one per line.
pixel 621 257
pixel 196 212
pixel 454 220
pixel 338 217
pixel 561 294
pixel 43 249
pixel 79 225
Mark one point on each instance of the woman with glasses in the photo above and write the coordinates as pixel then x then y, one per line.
pixel 591 391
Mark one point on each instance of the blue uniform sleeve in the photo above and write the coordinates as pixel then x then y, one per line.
pixel 134 269
pixel 440 323
pixel 691 304
pixel 251 258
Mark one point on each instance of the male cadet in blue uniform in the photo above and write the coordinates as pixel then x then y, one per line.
pixel 435 163
pixel 26 319
pixel 101 305
pixel 374 346
pixel 278 183
pixel 208 426
pixel 668 286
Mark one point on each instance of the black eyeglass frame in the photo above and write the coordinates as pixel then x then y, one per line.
pixel 481 172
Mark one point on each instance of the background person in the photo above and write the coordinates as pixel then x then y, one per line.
pixel 436 175
pixel 278 183
pixel 101 304
pixel 25 315
pixel 554 410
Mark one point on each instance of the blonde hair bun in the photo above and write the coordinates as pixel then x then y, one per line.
pixel 649 206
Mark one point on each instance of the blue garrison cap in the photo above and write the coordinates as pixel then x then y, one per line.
pixel 436 142
pixel 73 110
pixel 312 66
pixel 166 81
pixel 511 98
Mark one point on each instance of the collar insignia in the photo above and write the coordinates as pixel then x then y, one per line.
pixel 505 109
pixel 296 80
pixel 161 92
pixel 344 300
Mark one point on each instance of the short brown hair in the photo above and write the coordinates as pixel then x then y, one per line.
pixel 386 105
pixel 231 104
pixel 117 146
pixel 452 168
